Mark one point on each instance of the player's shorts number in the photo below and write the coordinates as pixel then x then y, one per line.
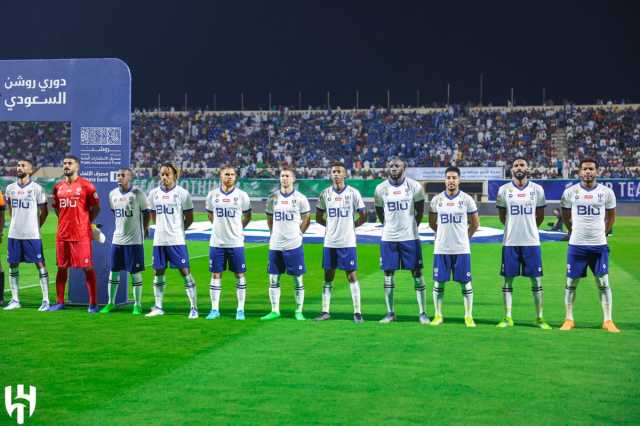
pixel 518 210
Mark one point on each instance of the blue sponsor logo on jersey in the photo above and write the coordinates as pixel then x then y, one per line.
pixel 516 210
pixel 124 212
pixel 338 212
pixel 283 216
pixel 224 212
pixel 588 211
pixel 162 209
pixel 20 204
pixel 397 205
pixel 450 218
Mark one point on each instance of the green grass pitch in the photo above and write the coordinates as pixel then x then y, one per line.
pixel 120 369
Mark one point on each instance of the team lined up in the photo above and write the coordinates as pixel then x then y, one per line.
pixel 588 212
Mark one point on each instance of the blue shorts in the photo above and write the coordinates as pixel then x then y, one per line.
pixel 289 261
pixel 223 258
pixel 176 256
pixel 29 251
pixel 457 264
pixel 396 255
pixel 521 260
pixel 128 258
pixel 340 258
pixel 581 257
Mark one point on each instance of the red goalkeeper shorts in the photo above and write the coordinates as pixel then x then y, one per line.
pixel 74 254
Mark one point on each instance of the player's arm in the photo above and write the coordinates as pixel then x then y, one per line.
pixel 270 222
pixel 306 221
pixel 539 215
pixel 609 220
pixel 502 215
pixel 55 202
pixel 94 211
pixel 566 218
pixel 43 212
pixel 362 217
pixel 320 217
pixel 2 208
pixel 433 221
pixel 246 218
pixel 419 211
pixel 146 219
pixel 187 217
pixel 474 224
pixel 380 214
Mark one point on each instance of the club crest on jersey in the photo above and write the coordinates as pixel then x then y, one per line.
pixel 460 204
pixel 600 196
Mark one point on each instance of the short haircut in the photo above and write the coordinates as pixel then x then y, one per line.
pixel 172 167
pixel 127 169
pixel 225 167
pixel 25 160
pixel 588 160
pixel 71 157
pixel 337 164
pixel 452 169
pixel 287 168
pixel 520 158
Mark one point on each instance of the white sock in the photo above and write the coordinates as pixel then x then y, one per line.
pixel 538 295
pixel 112 289
pixel 137 288
pixel 326 296
pixel 44 284
pixel 158 290
pixel 467 295
pixel 570 296
pixel 421 294
pixel 190 287
pixel 438 296
pixel 241 292
pixel 355 296
pixel 507 293
pixel 299 293
pixel 215 288
pixel 388 292
pixel 606 298
pixel 274 292
pixel 14 275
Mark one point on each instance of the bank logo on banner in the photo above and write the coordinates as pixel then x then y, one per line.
pixel 24 402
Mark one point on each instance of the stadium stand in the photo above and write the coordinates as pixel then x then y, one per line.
pixel 554 138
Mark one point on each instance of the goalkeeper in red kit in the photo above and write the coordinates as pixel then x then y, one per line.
pixel 77 204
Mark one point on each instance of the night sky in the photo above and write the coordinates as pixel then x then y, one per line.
pixel 578 51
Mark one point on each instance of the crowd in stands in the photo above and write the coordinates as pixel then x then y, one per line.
pixel 258 143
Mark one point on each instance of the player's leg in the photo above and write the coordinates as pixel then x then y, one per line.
pixel 238 266
pixel 329 275
pixel 354 286
pixel 532 261
pixel 389 262
pixel 295 266
pixel 216 266
pixel 190 289
pixel 441 274
pixel 135 268
pixel 577 263
pixel 91 284
pixel 411 258
pixel 117 265
pixel 14 286
pixel 43 276
pixel 509 270
pixel 421 296
pixel 462 274
pixel 1 285
pixel 159 268
pixel 329 264
pixel 275 268
pixel 600 267
pixel 62 274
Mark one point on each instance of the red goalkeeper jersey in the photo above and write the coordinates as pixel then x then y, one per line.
pixel 72 201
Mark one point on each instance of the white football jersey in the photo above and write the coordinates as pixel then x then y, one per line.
pixel 24 202
pixel 227 209
pixel 169 206
pixel 287 211
pixel 588 212
pixel 452 236
pixel 520 228
pixel 399 213
pixel 127 208
pixel 340 208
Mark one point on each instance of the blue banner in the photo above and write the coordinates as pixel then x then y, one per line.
pixel 626 190
pixel 94 95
